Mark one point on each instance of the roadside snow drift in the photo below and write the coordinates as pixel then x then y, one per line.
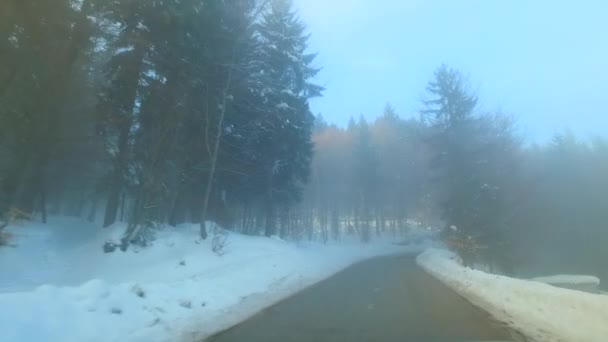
pixel 570 281
pixel 58 285
pixel 538 311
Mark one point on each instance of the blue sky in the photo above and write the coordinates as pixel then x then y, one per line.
pixel 544 62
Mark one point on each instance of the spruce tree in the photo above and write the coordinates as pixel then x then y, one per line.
pixel 469 153
pixel 365 168
pixel 285 131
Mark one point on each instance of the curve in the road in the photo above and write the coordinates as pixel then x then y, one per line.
pixel 384 299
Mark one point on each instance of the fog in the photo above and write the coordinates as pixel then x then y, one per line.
pixel 255 148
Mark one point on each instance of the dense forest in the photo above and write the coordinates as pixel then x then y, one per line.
pixel 164 112
pixel 154 111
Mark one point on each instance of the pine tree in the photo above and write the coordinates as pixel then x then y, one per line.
pixel 469 152
pixel 450 104
pixel 284 75
pixel 118 103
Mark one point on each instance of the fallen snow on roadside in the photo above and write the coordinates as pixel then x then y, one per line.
pixel 58 285
pixel 569 279
pixel 538 311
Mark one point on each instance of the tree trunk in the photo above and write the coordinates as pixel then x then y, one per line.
pixel 173 212
pixel 32 180
pixel 113 200
pixel 25 191
pixel 270 224
pixel 324 222
pixel 214 155
pixel 124 125
pixel 335 224
pixel 43 204
pixel 93 211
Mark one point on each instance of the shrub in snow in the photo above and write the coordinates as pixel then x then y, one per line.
pixel 138 291
pixel 140 235
pixel 468 247
pixel 185 304
pixel 16 216
pixel 487 251
pixel 12 216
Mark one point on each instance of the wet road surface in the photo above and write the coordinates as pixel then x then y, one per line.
pixel 384 299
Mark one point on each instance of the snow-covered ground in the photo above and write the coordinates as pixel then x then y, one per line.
pixel 58 285
pixel 572 281
pixel 538 311
pixel 569 279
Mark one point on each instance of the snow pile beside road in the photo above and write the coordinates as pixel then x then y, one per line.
pixel 538 311
pixel 574 282
pixel 58 285
pixel 569 279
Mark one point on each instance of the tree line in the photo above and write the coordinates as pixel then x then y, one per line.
pixel 513 205
pixel 154 111
pixel 165 112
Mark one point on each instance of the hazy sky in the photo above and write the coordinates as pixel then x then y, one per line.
pixel 543 61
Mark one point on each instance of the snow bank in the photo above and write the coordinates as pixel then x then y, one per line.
pixel 571 281
pixel 538 311
pixel 58 285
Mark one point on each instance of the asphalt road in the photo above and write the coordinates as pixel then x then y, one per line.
pixel 384 299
